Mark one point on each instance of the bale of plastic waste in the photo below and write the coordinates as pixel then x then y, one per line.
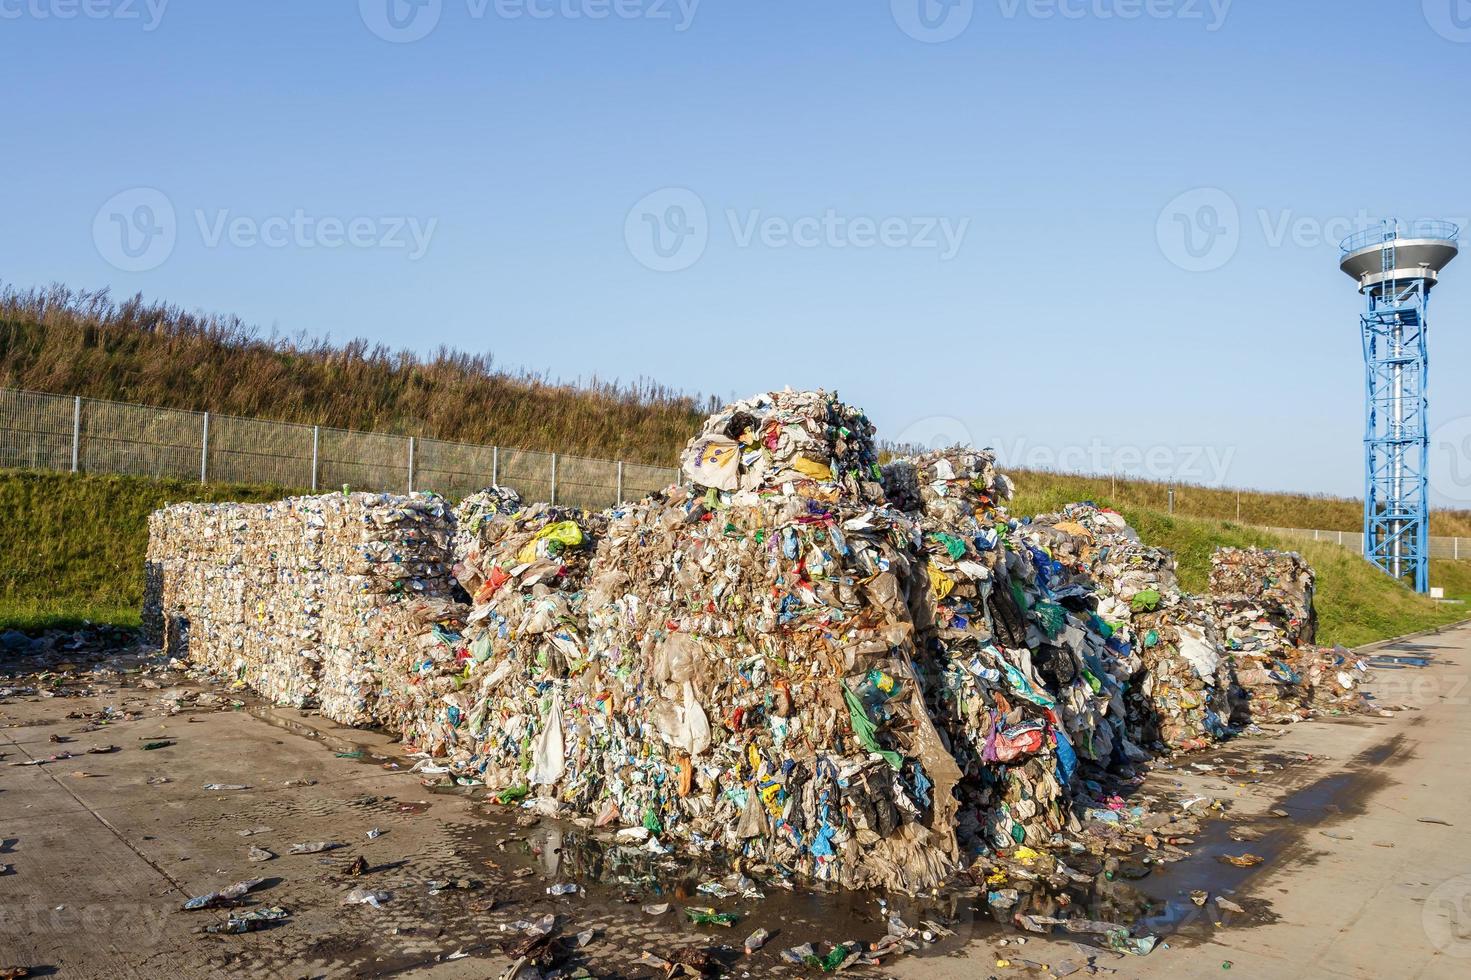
pixel 1180 696
pixel 807 440
pixel 1019 674
pixel 303 600
pixel 1263 601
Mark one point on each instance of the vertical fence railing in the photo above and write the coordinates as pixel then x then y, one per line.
pixel 70 433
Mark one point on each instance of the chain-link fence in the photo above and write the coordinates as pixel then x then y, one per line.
pixel 90 435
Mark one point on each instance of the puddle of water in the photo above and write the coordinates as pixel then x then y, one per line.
pixel 1397 662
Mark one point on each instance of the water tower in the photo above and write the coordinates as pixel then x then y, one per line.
pixel 1396 266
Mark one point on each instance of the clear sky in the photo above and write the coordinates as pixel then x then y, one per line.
pixel 968 216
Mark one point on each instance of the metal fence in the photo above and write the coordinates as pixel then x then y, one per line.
pixel 1440 547
pixel 90 435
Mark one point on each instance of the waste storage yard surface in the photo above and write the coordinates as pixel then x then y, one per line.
pixel 1368 874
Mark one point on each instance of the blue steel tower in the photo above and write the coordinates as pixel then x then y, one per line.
pixel 1396 267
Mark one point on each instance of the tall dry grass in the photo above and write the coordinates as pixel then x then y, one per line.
pixel 77 342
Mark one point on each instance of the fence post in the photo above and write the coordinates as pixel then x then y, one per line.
pixel 554 479
pixel 411 464
pixel 495 466
pixel 76 433
pixel 620 481
pixel 204 452
pixel 316 438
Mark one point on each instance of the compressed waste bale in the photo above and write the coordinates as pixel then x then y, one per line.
pixel 1263 600
pixel 805 441
pixel 480 674
pixel 1263 596
pixel 1181 696
pixel 1019 675
pixel 729 668
pixel 298 599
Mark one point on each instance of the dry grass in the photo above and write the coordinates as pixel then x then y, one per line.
pixel 80 343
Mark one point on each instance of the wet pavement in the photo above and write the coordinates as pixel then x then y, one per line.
pixel 99 851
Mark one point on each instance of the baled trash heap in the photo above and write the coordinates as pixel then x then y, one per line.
pixel 731 668
pixel 305 600
pixel 755 634
pixel 1019 675
pixel 485 678
pixel 1263 600
pixel 1180 697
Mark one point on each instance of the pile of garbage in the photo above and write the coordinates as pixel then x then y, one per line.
pixel 1180 694
pixel 481 685
pixel 808 663
pixel 1017 670
pixel 306 600
pixel 1263 600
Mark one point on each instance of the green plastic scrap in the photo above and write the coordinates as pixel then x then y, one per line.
pixel 651 821
pixel 829 963
pixel 1121 942
pixel 954 547
pixel 865 730
pixel 710 917
pixel 1051 617
pixel 512 793
pixel 1145 601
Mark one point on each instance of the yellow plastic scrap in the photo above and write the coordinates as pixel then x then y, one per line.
pixel 811 468
pixel 1025 854
pixel 567 532
pixel 997 877
pixel 941 584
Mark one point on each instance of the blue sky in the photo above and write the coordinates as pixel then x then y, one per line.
pixel 968 217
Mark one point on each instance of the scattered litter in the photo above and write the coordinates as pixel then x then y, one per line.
pixel 224 896
pixel 366 896
pixel 316 847
pixel 251 921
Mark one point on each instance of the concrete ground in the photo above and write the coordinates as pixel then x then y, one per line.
pixel 1367 870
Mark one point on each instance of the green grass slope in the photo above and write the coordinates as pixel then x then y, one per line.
pixel 72 547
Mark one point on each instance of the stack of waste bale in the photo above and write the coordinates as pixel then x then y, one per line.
pixel 1181 697
pixel 731 666
pixel 1263 600
pixel 755 631
pixel 300 599
pixel 1019 675
pixel 385 562
pixel 481 685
